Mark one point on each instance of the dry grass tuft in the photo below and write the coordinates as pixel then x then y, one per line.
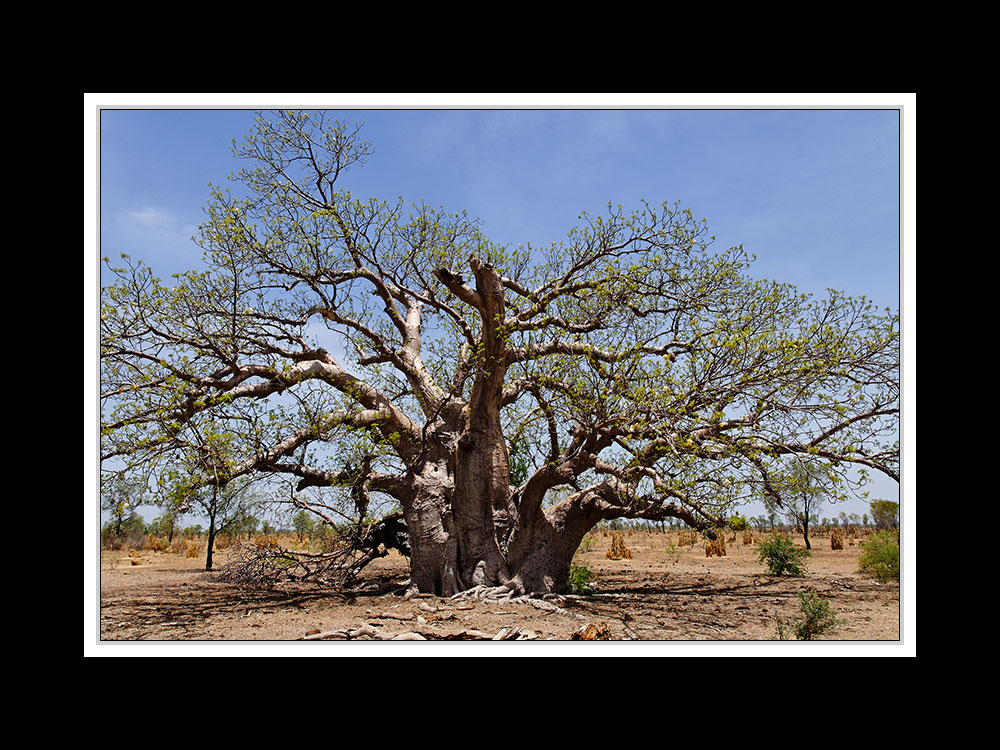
pixel 715 547
pixel 618 550
pixel 158 544
pixel 687 538
pixel 266 541
pixel 837 539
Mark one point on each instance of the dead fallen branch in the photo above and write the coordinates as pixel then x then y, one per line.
pixel 393 616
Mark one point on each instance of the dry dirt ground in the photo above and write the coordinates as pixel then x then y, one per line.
pixel 654 596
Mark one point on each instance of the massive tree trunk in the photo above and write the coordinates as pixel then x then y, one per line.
pixel 482 469
pixel 546 546
pixel 460 493
pixel 459 540
pixel 430 526
pixel 466 529
pixel 465 543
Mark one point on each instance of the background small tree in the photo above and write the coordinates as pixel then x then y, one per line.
pixel 248 525
pixel 303 522
pixel 127 532
pixel 165 525
pixel 121 497
pixel 885 514
pixel 798 492
pixel 226 506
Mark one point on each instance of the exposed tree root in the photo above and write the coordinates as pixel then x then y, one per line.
pixel 508 595
pixel 367 631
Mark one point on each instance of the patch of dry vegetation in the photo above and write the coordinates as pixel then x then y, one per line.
pixel 618 549
pixel 837 538
pixel 715 547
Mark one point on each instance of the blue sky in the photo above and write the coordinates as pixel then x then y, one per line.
pixel 814 193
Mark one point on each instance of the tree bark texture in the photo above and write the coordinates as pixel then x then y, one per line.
pixel 465 528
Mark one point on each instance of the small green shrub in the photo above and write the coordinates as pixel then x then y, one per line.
pixel 879 556
pixel 817 618
pixel 782 556
pixel 580 577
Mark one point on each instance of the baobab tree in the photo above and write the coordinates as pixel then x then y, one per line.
pixel 639 372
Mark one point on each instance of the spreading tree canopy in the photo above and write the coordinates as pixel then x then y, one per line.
pixel 505 399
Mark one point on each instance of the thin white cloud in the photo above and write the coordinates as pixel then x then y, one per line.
pixel 152 230
pixel 151 217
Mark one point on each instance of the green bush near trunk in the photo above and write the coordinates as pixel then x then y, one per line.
pixel 579 580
